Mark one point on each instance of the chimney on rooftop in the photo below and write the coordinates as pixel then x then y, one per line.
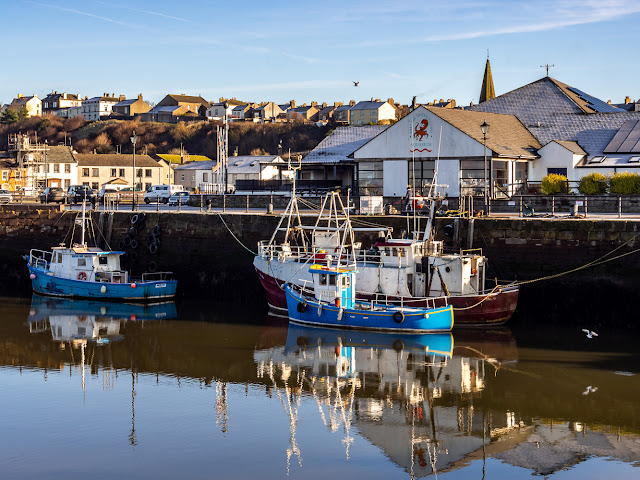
pixel 139 96
pixel 314 104
pixel 64 95
pixel 337 104
pixel 390 100
pixel 122 97
pixel 608 102
pixel 352 103
pixel 292 103
pixel 324 104
pixel 627 100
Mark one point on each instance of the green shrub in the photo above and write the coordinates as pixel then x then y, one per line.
pixel 625 183
pixel 593 184
pixel 553 184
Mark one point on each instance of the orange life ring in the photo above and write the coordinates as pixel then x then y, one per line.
pixel 82 276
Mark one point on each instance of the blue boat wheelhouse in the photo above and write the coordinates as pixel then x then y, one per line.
pixel 333 304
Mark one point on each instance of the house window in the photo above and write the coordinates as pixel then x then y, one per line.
pixel 95 172
pixel 113 172
pixel 147 186
pixel 370 178
pixel 205 177
pixel 67 168
pixel 193 178
pixel 67 183
pixel 557 171
pixel 85 183
pixel 121 172
pixel 56 168
pixel 85 172
pixel 94 185
pixel 147 172
pixel 182 177
pixel 5 176
pixel 139 172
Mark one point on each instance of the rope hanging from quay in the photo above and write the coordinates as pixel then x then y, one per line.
pixel 236 238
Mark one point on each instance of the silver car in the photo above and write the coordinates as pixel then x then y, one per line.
pixel 5 196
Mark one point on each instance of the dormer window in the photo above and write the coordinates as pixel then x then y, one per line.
pixel 635 159
pixel 598 159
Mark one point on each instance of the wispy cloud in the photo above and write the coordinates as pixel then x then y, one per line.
pixel 88 14
pixel 557 15
pixel 148 12
pixel 301 58
pixel 266 87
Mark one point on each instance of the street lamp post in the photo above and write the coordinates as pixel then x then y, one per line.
pixel 134 139
pixel 485 129
pixel 46 170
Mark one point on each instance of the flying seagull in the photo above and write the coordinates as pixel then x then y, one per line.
pixel 355 84
pixel 590 333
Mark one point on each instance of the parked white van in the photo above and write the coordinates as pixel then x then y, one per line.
pixel 162 192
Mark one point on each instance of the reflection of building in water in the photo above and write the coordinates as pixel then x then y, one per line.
pixel 416 405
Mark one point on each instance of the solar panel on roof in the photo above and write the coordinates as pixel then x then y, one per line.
pixel 627 140
pixel 595 103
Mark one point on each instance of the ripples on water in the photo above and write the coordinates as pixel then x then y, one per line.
pixel 107 390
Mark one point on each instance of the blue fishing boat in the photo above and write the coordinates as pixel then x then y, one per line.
pixel 333 304
pixel 91 272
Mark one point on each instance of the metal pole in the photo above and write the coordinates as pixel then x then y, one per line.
pixel 520 206
pixel 157 203
pixel 46 170
pixel 619 207
pixel 247 203
pixel 224 202
pixel 553 205
pixel 133 201
pixel 585 207
pixel 486 193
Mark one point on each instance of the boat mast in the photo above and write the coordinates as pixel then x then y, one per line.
pixel 433 193
pixel 83 221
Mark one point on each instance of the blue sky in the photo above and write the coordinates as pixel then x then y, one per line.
pixel 302 50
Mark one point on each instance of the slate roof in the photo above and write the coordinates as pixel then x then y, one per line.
pixel 203 165
pixel 113 160
pixel 367 105
pixel 551 112
pixel 343 108
pixel 166 109
pixel 124 103
pixel 249 163
pixel 507 136
pixel 60 154
pixel 342 142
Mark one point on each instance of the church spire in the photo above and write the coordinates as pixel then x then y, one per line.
pixel 487 92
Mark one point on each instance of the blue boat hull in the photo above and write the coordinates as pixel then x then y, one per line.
pixel 305 336
pixel 46 284
pixel 416 320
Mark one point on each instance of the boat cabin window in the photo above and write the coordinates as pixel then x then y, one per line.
pixel 323 279
pixel 57 258
pixel 401 252
pixel 82 262
pixel 394 252
pixel 332 280
pixel 346 281
pixel 102 260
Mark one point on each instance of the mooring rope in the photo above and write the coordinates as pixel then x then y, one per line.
pixel 236 238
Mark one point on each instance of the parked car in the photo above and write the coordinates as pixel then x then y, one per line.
pixel 52 195
pixel 161 192
pixel 179 197
pixel 78 193
pixel 126 194
pixel 112 193
pixel 5 196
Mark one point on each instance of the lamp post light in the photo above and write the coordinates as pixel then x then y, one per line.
pixel 485 129
pixel 134 139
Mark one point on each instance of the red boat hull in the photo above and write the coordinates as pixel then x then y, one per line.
pixel 468 310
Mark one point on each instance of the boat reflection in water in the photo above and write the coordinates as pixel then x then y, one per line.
pixel 420 402
pixel 77 321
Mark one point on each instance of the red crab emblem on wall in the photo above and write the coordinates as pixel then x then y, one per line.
pixel 421 130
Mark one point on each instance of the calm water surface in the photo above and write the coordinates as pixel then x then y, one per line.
pixel 100 390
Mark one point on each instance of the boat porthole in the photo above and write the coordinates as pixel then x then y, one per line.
pixel 398 317
pixel 398 345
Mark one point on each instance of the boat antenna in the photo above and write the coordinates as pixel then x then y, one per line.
pixel 413 183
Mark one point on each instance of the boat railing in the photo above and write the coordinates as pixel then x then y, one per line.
pixel 156 276
pixel 38 258
pixel 402 301
pixel 112 276
pixel 471 251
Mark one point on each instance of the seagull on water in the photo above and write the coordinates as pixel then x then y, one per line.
pixel 590 333
pixel 589 390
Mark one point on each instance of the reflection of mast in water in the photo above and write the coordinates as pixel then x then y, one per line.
pixel 132 436
pixel 222 411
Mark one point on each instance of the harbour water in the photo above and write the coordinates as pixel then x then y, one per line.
pixel 195 390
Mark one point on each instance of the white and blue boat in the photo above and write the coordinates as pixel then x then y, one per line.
pixel 333 304
pixel 81 271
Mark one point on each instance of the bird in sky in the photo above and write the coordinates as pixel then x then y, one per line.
pixel 355 84
pixel 590 333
